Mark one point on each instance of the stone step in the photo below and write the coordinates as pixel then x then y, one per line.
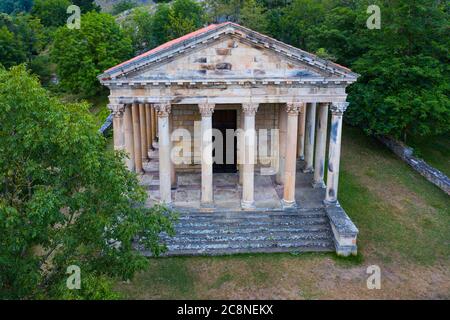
pixel 224 248
pixel 253 223
pixel 200 231
pixel 276 237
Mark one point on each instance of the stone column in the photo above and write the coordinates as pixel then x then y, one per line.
pixel 248 201
pixel 173 172
pixel 207 198
pixel 334 152
pixel 148 125
pixel 301 133
pixel 241 149
pixel 282 127
pixel 309 137
pixel 137 139
pixel 290 168
pixel 321 145
pixel 117 111
pixel 142 123
pixel 128 137
pixel 154 126
pixel 163 111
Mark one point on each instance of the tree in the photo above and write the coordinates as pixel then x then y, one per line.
pixel 86 5
pixel 404 87
pixel 52 13
pixel 65 199
pixel 82 54
pixel 169 21
pixel 122 6
pixel 15 6
pixel 22 38
pixel 253 16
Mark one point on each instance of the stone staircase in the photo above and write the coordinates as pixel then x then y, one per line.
pixel 221 233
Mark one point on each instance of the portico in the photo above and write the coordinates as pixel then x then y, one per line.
pixel 164 102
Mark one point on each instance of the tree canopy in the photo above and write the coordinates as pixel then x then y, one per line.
pixel 64 198
pixel 82 54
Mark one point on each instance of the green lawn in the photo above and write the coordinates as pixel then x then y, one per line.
pixel 404 224
pixel 434 150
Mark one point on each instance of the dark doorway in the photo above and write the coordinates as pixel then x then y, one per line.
pixel 223 120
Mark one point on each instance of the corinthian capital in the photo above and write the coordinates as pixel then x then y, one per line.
pixel 162 109
pixel 250 109
pixel 338 108
pixel 206 109
pixel 293 108
pixel 116 109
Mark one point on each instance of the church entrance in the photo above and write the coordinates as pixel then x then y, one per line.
pixel 227 162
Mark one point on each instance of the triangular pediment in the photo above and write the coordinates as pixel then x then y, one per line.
pixel 226 51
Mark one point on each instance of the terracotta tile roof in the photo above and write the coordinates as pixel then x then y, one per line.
pixel 171 43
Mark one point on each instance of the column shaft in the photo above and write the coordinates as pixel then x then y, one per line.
pixel 164 153
pixel 142 123
pixel 117 111
pixel 309 137
pixel 128 131
pixel 301 133
pixel 137 138
pixel 248 201
pixel 154 125
pixel 148 125
pixel 321 145
pixel 290 170
pixel 282 127
pixel 207 196
pixel 334 152
pixel 173 173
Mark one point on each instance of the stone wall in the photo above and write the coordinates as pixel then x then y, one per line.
pixel 188 117
pixel 406 154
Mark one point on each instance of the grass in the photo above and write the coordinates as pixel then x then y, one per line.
pixel 434 150
pixel 404 224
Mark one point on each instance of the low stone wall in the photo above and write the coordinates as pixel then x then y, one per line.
pixel 406 154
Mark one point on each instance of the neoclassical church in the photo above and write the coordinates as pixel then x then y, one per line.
pixel 239 133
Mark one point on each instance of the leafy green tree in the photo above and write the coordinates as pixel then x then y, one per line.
pixel 15 6
pixel 65 199
pixel 169 21
pixel 253 16
pixel 122 6
pixel 82 54
pixel 404 87
pixel 86 5
pixel 22 38
pixel 52 13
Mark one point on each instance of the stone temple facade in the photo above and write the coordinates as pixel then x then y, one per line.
pixel 231 128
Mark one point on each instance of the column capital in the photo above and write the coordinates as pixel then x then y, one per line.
pixel 338 108
pixel 206 109
pixel 117 109
pixel 162 109
pixel 293 108
pixel 250 108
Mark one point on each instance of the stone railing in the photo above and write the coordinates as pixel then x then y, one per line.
pixel 106 125
pixel 406 154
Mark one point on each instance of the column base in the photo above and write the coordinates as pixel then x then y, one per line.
pixel 248 205
pixel 330 203
pixel 207 206
pixel 288 205
pixel 319 185
pixel 169 205
pixel 302 158
pixel 308 170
